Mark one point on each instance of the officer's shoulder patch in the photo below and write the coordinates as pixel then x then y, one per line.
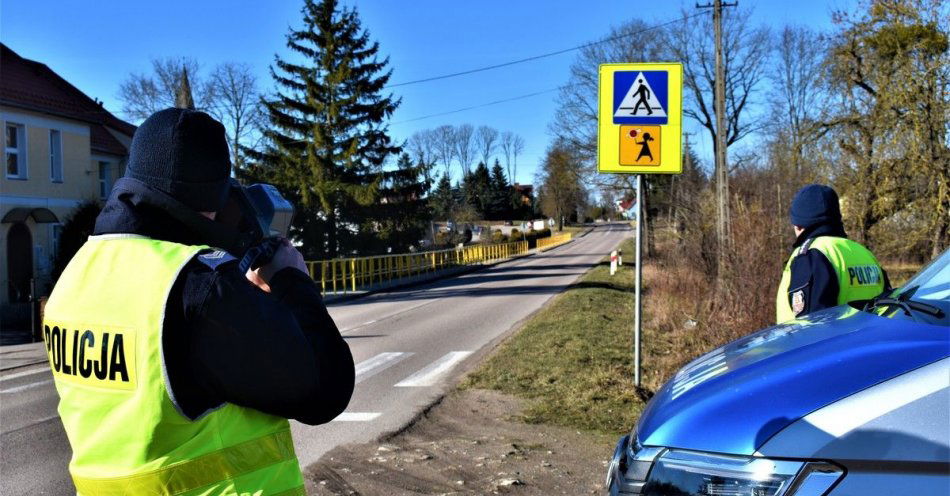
pixel 215 259
pixel 806 246
pixel 798 301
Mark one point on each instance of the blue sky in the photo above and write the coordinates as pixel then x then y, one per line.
pixel 96 45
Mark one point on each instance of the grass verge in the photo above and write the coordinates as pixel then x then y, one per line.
pixel 573 359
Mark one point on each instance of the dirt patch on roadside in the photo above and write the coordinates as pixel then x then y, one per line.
pixel 470 443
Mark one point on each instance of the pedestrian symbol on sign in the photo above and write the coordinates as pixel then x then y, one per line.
pixel 640 97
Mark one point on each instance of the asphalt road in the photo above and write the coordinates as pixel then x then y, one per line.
pixel 409 347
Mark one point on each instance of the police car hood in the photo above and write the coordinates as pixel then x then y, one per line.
pixel 733 399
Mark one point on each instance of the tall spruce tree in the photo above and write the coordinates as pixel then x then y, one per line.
pixel 442 200
pixel 500 194
pixel 477 190
pixel 327 139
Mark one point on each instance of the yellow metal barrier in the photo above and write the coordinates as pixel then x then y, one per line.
pixel 342 275
pixel 551 242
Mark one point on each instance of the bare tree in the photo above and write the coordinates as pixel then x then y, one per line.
pixel 142 95
pixel 486 140
pixel 444 146
pixel 516 149
pixel 423 146
pixel 508 147
pixel 798 97
pixel 233 88
pixel 746 51
pixel 464 146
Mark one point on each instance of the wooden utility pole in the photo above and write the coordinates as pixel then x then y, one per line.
pixel 722 165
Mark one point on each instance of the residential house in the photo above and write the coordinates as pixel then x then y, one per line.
pixel 526 192
pixel 61 148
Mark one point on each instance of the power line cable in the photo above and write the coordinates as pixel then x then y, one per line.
pixel 543 55
pixel 496 102
pixel 496 66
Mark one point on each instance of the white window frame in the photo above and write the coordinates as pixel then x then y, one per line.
pixel 105 183
pixel 19 151
pixel 54 153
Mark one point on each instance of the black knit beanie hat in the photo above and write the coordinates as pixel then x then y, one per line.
pixel 815 204
pixel 183 153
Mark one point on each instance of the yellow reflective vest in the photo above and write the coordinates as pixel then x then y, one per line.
pixel 103 333
pixel 860 276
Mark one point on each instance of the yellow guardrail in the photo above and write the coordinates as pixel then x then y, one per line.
pixel 349 274
pixel 551 242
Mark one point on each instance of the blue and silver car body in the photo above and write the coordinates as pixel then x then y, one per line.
pixel 841 402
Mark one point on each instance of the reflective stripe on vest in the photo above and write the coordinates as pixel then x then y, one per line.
pixel 859 274
pixel 103 332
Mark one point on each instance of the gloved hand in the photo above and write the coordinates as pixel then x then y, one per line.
pixel 268 258
pixel 260 254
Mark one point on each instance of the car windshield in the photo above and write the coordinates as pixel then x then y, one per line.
pixel 933 281
pixel 924 298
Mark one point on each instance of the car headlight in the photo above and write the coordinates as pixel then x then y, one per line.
pixel 688 473
pixel 629 466
pixel 636 469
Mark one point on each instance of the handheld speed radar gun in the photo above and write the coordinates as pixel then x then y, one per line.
pixel 263 215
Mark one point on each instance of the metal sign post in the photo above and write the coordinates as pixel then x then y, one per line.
pixel 639 131
pixel 637 278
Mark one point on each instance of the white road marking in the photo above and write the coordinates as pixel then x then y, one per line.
pixel 431 373
pixel 26 386
pixel 356 417
pixel 37 422
pixel 380 362
pixel 24 374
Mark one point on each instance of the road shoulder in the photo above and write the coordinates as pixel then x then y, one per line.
pixel 471 442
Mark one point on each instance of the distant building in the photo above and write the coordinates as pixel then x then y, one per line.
pixel 527 193
pixel 60 148
pixel 626 208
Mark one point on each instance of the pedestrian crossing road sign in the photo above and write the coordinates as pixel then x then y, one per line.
pixel 640 113
pixel 640 97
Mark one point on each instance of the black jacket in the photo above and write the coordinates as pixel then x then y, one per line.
pixel 226 341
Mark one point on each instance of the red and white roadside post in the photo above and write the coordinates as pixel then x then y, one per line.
pixel 613 262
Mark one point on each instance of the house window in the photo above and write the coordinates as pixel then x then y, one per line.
pixel 55 156
pixel 105 179
pixel 15 147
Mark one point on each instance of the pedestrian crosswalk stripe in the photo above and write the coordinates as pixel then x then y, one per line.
pixel 431 373
pixel 27 386
pixel 377 364
pixel 356 416
pixel 28 372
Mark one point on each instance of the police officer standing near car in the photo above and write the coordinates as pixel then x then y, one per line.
pixel 825 269
pixel 176 371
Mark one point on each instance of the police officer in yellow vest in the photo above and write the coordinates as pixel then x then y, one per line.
pixel 825 269
pixel 176 372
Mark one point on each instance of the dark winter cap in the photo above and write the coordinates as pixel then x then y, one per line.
pixel 183 153
pixel 815 204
